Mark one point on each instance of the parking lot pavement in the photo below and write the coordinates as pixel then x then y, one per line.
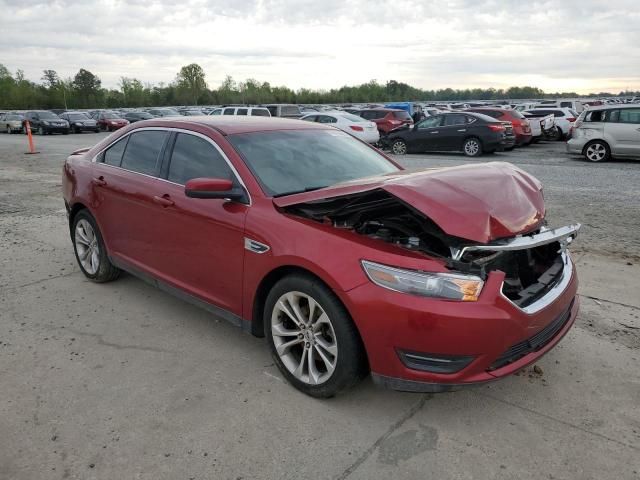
pixel 123 381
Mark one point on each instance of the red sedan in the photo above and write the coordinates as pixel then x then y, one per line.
pixel 347 263
pixel 109 121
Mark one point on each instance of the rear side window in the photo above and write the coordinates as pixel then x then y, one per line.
pixel 194 157
pixel 454 119
pixel 143 151
pixel 566 104
pixel 260 112
pixel 242 111
pixel 491 113
pixel 326 119
pixel 629 115
pixel 113 154
pixel 290 110
pixel 594 116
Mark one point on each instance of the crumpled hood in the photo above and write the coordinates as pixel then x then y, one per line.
pixel 478 202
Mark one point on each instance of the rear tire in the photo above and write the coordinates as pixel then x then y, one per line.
pixel 597 151
pixel 312 338
pixel 91 253
pixel 472 147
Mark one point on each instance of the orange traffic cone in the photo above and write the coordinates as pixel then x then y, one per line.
pixel 32 148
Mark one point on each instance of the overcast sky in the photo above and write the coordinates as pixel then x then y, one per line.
pixel 570 45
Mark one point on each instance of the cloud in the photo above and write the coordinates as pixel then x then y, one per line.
pixel 570 45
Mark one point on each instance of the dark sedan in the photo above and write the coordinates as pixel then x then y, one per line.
pixel 471 133
pixel 80 122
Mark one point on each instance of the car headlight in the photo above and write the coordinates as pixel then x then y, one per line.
pixel 448 286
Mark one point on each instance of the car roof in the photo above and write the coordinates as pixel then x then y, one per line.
pixel 382 109
pixel 613 107
pixel 232 124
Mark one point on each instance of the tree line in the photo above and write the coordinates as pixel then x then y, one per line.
pixel 85 90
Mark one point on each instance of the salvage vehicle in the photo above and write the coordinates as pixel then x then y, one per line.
pixel 521 126
pixel 386 119
pixel 80 122
pixel 45 122
pixel 471 133
pixel 347 263
pixel 606 132
pixel 11 122
pixel 563 118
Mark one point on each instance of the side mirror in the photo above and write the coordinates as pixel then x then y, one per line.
pixel 214 188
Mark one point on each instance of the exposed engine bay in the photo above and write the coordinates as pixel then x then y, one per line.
pixel 531 267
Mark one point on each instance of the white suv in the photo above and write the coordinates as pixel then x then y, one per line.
pixel 564 118
pixel 249 111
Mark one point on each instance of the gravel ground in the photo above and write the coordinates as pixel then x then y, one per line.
pixel 124 381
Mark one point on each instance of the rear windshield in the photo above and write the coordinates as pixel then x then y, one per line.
pixel 351 117
pixel 260 112
pixel 77 116
pixel 402 115
pixel 111 116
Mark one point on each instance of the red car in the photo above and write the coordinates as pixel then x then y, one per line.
pixel 347 263
pixel 387 119
pixel 521 127
pixel 110 121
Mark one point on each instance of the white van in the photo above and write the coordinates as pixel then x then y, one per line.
pixel 248 111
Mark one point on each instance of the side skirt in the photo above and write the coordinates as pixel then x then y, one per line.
pixel 232 318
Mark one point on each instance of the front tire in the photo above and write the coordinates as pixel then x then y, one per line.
pixel 312 338
pixel 597 151
pixel 399 147
pixel 472 147
pixel 90 250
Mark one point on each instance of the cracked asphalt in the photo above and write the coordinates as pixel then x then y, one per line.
pixel 124 381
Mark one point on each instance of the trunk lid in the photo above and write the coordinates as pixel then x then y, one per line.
pixel 479 202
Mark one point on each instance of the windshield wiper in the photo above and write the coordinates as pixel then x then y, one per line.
pixel 293 192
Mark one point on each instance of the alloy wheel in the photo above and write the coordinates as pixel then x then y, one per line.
pixel 87 247
pixel 399 147
pixel 471 147
pixel 596 152
pixel 304 338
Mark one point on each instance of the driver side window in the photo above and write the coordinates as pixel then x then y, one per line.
pixel 430 122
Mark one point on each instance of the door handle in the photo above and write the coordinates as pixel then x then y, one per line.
pixel 435 132
pixel 164 200
pixel 462 130
pixel 99 181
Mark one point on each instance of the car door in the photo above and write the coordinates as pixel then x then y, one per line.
pixel 424 135
pixel 623 126
pixel 125 192
pixel 201 241
pixel 452 132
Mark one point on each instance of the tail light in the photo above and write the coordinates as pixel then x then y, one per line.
pixel 571 119
pixel 356 128
pixel 496 128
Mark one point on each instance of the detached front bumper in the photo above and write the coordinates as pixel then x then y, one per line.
pixel 408 338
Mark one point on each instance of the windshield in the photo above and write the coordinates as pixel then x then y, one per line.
pixel 13 117
pixel 402 115
pixel 292 161
pixel 48 115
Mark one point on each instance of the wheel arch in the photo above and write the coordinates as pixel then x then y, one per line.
pixel 267 283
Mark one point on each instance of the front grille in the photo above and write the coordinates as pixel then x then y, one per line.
pixel 535 343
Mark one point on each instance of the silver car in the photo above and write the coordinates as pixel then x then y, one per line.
pixel 603 132
pixel 11 122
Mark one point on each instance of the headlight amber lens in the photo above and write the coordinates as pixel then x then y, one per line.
pixel 450 286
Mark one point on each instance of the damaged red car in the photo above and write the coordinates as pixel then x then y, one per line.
pixel 348 264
